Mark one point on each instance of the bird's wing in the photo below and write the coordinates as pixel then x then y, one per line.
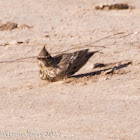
pixel 70 57
pixel 72 62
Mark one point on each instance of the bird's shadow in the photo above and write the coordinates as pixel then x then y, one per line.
pixel 107 70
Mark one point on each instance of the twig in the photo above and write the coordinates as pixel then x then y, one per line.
pixel 126 35
pixel 21 58
pixel 88 45
pixel 75 49
pixel 28 52
pixel 105 38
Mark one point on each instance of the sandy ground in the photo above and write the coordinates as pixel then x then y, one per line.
pixel 99 103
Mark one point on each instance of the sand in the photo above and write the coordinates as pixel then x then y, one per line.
pixel 102 100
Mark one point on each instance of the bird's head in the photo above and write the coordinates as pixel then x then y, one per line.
pixel 44 58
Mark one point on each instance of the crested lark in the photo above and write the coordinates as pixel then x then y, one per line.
pixel 61 66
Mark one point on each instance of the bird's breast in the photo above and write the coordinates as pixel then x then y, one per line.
pixel 48 73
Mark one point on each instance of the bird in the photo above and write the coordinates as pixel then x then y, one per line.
pixel 61 66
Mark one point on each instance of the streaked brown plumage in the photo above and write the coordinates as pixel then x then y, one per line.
pixel 61 66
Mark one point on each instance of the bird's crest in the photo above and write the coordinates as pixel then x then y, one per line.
pixel 44 53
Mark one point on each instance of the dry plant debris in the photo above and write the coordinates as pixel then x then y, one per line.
pixel 11 25
pixel 117 6
pixel 8 26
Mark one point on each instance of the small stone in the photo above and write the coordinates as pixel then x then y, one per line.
pixel 13 42
pixel 22 26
